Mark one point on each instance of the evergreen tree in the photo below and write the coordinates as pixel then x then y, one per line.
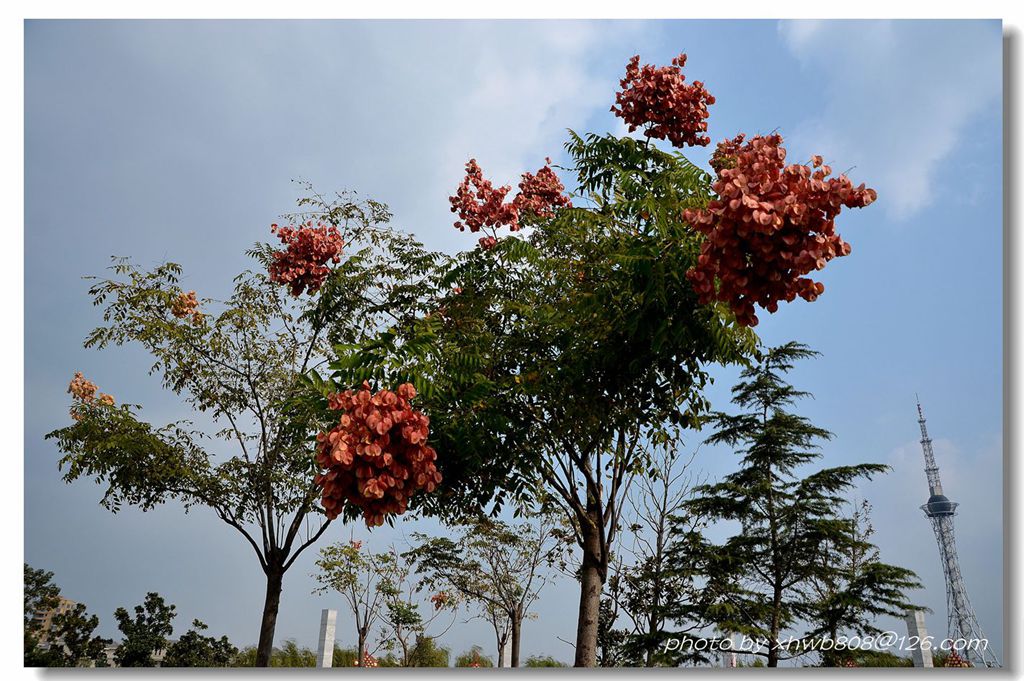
pixel 854 587
pixel 758 581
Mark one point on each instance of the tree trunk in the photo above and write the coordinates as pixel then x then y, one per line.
pixel 591 585
pixel 773 637
pixel 361 651
pixel 517 626
pixel 275 576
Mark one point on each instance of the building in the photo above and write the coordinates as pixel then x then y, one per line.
pixel 42 621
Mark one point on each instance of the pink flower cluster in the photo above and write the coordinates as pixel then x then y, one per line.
pixel 81 388
pixel 302 265
pixel 84 393
pixel 770 225
pixel 377 457
pixel 186 305
pixel 482 207
pixel 659 98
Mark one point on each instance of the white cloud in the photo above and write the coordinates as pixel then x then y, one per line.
pixel 900 97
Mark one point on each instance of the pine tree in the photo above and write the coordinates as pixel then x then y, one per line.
pixel 757 582
pixel 854 587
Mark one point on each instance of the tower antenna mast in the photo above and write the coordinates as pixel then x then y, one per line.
pixel 963 631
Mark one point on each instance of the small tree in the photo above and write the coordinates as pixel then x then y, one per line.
pixel 406 628
pixel 645 583
pixel 426 653
pixel 854 586
pixel 146 633
pixel 756 582
pixel 611 650
pixel 500 567
pixel 194 649
pixel 242 361
pixel 358 575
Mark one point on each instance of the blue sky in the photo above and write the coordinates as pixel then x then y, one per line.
pixel 178 140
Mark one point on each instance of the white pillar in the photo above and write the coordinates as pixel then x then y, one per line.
pixel 325 649
pixel 916 628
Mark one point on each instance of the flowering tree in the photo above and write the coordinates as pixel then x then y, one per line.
pixel 588 338
pixel 242 362
pixel 561 355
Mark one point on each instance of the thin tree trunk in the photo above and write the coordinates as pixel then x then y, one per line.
pixel 361 651
pixel 275 577
pixel 591 585
pixel 773 639
pixel 517 626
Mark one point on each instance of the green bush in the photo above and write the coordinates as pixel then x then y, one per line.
pixel 543 661
pixel 473 655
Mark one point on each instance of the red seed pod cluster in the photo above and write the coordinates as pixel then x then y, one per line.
pixel 302 265
pixel 541 193
pixel 770 225
pixel 186 305
pixel 377 457
pixel 440 599
pixel 482 207
pixel 659 98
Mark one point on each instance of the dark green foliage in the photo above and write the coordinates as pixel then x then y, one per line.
pixel 346 657
pixel 71 639
pixel 611 641
pixel 77 645
pixel 144 634
pixel 288 655
pixel 854 587
pixel 40 593
pixel 757 582
pixel 194 649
